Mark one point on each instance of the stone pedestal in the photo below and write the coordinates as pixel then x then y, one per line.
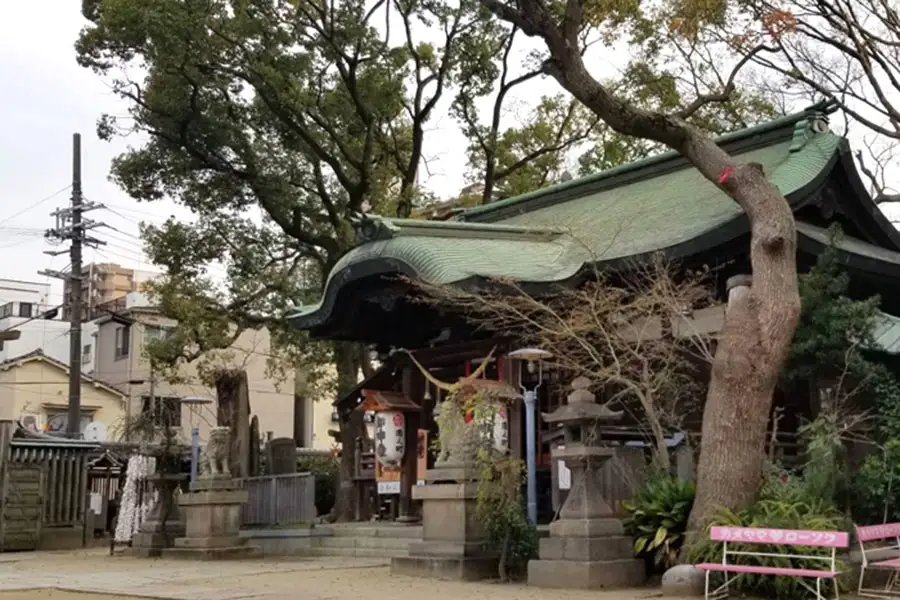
pixel 212 513
pixel 452 545
pixel 587 547
pixel 164 522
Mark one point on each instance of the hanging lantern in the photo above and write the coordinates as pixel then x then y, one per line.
pixel 390 436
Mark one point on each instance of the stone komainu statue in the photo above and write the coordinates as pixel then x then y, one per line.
pixel 216 454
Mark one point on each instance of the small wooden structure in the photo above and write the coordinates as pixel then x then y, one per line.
pixel 105 473
pixel 43 500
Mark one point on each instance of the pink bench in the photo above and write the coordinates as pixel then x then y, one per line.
pixel 889 535
pixel 774 537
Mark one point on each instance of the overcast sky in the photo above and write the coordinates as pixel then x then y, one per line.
pixel 45 97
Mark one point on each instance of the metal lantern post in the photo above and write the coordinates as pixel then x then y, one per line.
pixel 195 403
pixel 533 359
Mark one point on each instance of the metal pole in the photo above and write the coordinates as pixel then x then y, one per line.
pixel 531 451
pixel 195 453
pixel 73 426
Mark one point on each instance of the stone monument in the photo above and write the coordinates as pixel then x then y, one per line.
pixel 281 456
pixel 587 548
pixel 255 444
pixel 212 510
pixel 453 541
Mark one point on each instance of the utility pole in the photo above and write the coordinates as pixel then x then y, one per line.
pixel 71 226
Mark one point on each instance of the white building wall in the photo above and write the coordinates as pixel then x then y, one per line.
pixel 13 290
pixel 52 336
pixel 137 299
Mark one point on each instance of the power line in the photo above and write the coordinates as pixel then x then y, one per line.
pixel 114 208
pixel 35 205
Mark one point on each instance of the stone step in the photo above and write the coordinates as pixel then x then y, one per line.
pixel 365 542
pixel 384 531
pixel 356 552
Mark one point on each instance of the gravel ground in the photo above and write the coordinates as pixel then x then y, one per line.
pixel 90 575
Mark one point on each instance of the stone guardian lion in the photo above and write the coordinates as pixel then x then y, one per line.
pixel 215 460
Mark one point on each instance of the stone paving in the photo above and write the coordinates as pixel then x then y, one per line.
pixel 97 576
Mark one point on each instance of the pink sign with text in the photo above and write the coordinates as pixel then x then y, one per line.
pixel 793 537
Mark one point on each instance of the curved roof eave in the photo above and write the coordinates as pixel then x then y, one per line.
pixel 320 314
pixel 845 157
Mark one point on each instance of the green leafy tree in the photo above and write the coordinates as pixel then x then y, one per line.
pixel 273 123
pixel 832 349
pixel 834 329
pixel 506 159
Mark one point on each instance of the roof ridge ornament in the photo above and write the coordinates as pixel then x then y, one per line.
pixel 816 122
pixel 369 228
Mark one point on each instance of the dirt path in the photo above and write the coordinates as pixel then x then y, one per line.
pixel 58 595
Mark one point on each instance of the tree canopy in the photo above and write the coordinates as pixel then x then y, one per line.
pixel 274 122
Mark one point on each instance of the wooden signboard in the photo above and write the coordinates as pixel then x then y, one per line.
pixel 388 480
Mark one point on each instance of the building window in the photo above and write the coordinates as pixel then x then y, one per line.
pixel 26 309
pixel 86 354
pixel 154 332
pixel 57 422
pixel 163 411
pixel 123 342
pixel 6 310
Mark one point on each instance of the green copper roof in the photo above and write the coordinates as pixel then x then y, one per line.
pixel 887 334
pixel 549 235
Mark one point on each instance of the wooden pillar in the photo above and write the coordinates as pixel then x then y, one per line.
pixel 413 386
pixel 509 373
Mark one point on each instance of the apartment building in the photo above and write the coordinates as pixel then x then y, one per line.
pixel 102 284
pixel 120 360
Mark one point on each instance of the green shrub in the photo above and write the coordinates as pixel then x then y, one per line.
pixel 658 517
pixel 875 487
pixel 784 504
pixel 326 471
pixel 500 509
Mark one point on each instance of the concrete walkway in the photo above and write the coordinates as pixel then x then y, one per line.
pixel 33 576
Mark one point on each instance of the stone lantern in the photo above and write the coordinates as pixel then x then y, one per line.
pixel 587 547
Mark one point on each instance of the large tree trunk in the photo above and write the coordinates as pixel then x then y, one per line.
pixel 736 416
pixel 352 426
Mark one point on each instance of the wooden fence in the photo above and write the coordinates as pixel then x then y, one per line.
pixel 277 500
pixel 65 464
